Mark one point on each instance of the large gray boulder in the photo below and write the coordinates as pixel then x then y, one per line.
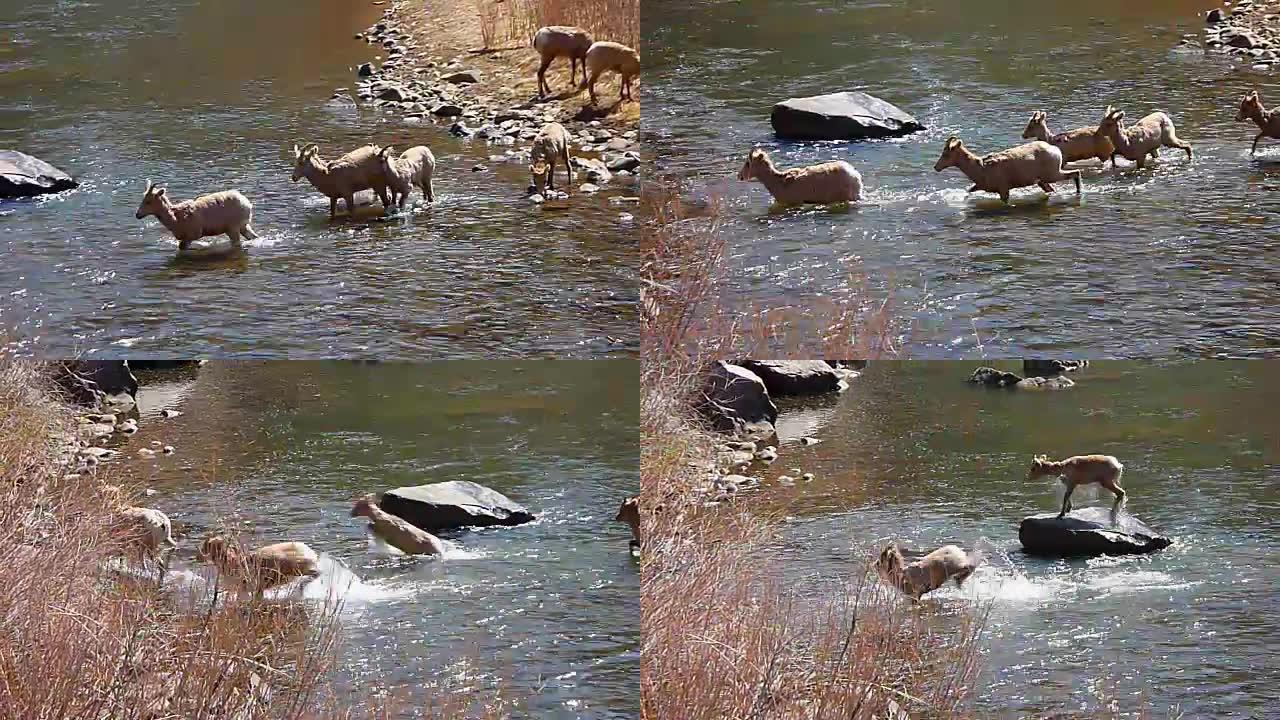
pixel 90 382
pixel 795 377
pixel 453 504
pixel 1088 532
pixel 22 175
pixel 737 401
pixel 840 116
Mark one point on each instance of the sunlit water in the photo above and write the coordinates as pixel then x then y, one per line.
pixel 122 91
pixel 1177 258
pixel 912 453
pixel 548 611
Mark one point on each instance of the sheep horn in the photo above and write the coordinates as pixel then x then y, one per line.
pixel 149 186
pixel 309 147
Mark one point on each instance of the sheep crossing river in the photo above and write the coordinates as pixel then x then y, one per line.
pixel 126 92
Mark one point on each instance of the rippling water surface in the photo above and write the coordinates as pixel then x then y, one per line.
pixel 550 610
pixel 915 454
pixel 1177 258
pixel 121 91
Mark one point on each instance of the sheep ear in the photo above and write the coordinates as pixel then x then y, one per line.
pixel 160 192
pixel 296 151
pixel 951 142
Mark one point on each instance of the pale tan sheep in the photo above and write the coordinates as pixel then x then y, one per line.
pixel 629 513
pixel 550 144
pixel 222 213
pixel 1141 139
pixel 415 166
pixel 605 55
pixel 824 183
pixel 1033 163
pixel 554 41
pixel 261 569
pixel 1078 144
pixel 343 178
pixel 1268 121
pixel 1104 470
pixel 927 574
pixel 139 532
pixel 406 537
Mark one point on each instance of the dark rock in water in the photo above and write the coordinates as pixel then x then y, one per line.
pixel 1088 532
pixel 479 168
pixel 628 163
pixel 89 382
pixel 840 116
pixel 365 70
pixel 1215 16
pixel 454 504
pixel 992 377
pixel 447 110
pixel 462 77
pixel 736 400
pixel 1049 368
pixel 460 130
pixel 395 93
pixel 22 175
pixel 1057 382
pixel 795 377
pixel 1244 40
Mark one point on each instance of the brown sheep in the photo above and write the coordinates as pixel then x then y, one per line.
pixel 1104 470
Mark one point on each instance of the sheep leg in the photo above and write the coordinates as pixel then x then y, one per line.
pixel 233 234
pixel 333 207
pixel 1141 161
pixel 1074 175
pixel 551 173
pixel 1118 491
pixel 1254 149
pixel 543 87
pixel 973 189
pixel 1066 500
pixel 1155 153
pixel 1004 195
pixel 249 232
pixel 568 166
pixel 429 190
pixel 1045 186
pixel 1175 142
pixel 591 85
pixel 351 204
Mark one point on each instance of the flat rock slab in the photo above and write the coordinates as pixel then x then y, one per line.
pixel 840 116
pixel 1087 533
pixel 22 175
pixel 795 377
pixel 453 504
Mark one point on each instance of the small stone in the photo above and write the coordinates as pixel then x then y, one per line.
pixel 168 450
pixel 464 77
pixel 167 413
pixel 395 93
pixel 809 441
pixel 359 36
pixel 146 452
pixel 588 188
pixel 365 70
pixel 447 110
pixel 626 218
pixel 617 144
pixel 807 477
pixel 1215 16
pixel 479 168
pixel 156 443
pixel 536 198
pixel 460 130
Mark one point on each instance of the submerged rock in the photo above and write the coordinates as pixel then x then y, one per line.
pixel 795 377
pixel 1047 368
pixel 840 116
pixel 1086 533
pixel 22 175
pixel 992 377
pixel 453 504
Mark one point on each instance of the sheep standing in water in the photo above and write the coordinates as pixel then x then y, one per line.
pixel 1033 163
pixel 629 513
pixel 406 537
pixel 261 569
pixel 1078 144
pixel 1268 121
pixel 824 183
pixel 555 40
pixel 222 213
pixel 1141 139
pixel 415 166
pixel 550 144
pixel 358 170
pixel 605 55
pixel 927 574
pixel 144 533
pixel 1104 470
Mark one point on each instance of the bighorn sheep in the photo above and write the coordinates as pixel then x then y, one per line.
pixel 1142 138
pixel 228 212
pixel 400 533
pixel 555 40
pixel 927 574
pixel 141 532
pixel 358 170
pixel 1268 121
pixel 1079 144
pixel 551 142
pixel 263 568
pixel 629 513
pixel 1104 470
pixel 828 182
pixel 605 55
pixel 414 167
pixel 1033 163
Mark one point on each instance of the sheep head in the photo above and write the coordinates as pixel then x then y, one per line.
pixel 1037 467
pixel 1037 126
pixel 1111 122
pixel 364 506
pixel 215 549
pixel 153 201
pixel 756 160
pixel 952 151
pixel 303 159
pixel 889 565
pixel 540 172
pixel 1250 106
pixel 384 159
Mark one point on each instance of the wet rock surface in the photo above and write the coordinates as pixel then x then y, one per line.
pixel 23 175
pixel 454 504
pixel 840 116
pixel 1088 533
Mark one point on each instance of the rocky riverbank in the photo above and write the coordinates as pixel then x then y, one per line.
pixel 419 71
pixel 1247 30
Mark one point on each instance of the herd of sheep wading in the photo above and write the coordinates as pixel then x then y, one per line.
pixel 1037 163
pixel 393 177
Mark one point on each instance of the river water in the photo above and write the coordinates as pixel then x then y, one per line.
pixel 1177 258
pixel 206 96
pixel 548 611
pixel 914 453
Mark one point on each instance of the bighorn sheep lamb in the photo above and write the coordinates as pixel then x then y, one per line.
pixel 605 55
pixel 1268 121
pixel 927 574
pixel 414 167
pixel 1141 139
pixel 828 182
pixel 358 170
pixel 629 513
pixel 1079 144
pixel 228 212
pixel 555 40
pixel 402 534
pixel 1104 470
pixel 140 532
pixel 551 142
pixel 1033 163
pixel 263 568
